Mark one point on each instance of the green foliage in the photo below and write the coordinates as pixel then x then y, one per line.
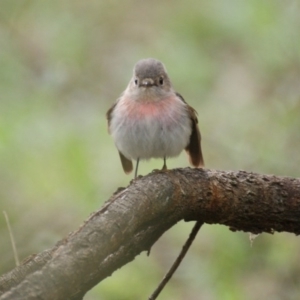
pixel 63 64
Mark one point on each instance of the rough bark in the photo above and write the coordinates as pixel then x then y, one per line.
pixel 134 218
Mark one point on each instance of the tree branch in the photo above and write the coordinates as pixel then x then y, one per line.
pixel 134 218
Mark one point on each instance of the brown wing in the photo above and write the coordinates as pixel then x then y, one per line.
pixel 126 163
pixel 108 115
pixel 193 148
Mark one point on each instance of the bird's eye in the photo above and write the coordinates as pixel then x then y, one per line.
pixel 161 81
pixel 136 82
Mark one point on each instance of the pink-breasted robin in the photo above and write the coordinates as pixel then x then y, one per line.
pixel 151 120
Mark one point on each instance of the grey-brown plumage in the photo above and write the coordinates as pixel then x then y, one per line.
pixel 151 120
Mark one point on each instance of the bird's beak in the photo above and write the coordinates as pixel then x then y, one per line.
pixel 147 82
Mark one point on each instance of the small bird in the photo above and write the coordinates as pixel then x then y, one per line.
pixel 151 120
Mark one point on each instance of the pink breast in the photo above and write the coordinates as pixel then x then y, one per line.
pixel 141 110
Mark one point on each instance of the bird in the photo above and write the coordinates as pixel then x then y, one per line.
pixel 151 120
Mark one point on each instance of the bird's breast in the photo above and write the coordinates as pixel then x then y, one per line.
pixel 148 129
pixel 165 110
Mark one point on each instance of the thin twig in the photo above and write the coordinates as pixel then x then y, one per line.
pixel 12 240
pixel 178 260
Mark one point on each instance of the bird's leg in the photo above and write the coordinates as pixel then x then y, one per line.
pixel 136 167
pixel 165 165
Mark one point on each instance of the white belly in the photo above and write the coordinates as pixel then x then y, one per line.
pixel 163 132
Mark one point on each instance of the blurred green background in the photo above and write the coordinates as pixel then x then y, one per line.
pixel 63 64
